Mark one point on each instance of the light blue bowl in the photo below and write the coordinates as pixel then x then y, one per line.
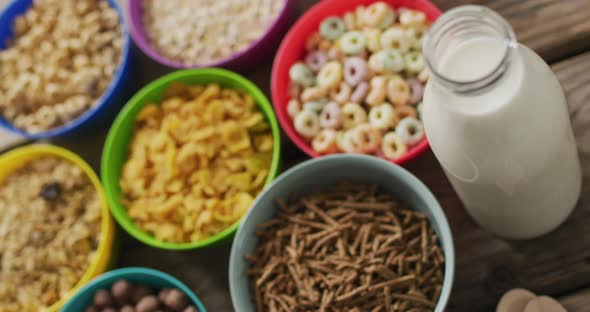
pixel 108 104
pixel 157 279
pixel 318 173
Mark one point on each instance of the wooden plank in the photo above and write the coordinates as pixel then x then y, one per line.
pixel 554 28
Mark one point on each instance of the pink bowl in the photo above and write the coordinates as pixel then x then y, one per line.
pixel 292 50
pixel 255 54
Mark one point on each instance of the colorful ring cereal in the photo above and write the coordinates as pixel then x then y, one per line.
pixel 356 70
pixel 330 75
pixel 331 116
pixel 315 60
pixel 381 117
pixel 332 28
pixel 353 42
pixel 325 142
pixel 409 130
pixel 342 93
pixel 302 75
pixel 392 147
pixel 307 123
pixel 368 74
pixel 352 115
pixel 398 91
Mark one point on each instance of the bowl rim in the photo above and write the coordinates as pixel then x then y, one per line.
pixel 118 209
pixel 21 156
pixel 138 33
pixel 122 272
pixel 286 122
pixel 445 235
pixel 107 94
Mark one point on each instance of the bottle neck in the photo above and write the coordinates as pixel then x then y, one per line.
pixel 464 26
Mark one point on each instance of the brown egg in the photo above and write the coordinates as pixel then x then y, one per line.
pixel 544 304
pixel 515 300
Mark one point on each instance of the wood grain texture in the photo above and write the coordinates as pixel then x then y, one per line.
pixel 555 29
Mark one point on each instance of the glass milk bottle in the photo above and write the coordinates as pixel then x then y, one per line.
pixel 497 121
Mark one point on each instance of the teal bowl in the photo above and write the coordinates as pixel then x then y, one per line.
pixel 321 172
pixel 157 279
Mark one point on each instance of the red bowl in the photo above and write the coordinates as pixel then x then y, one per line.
pixel 292 49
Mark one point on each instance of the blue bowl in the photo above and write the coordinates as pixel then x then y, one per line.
pixel 82 299
pixel 317 174
pixel 108 104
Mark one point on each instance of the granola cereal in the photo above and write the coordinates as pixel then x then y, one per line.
pixel 49 232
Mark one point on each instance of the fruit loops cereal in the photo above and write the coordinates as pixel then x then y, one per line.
pixel 359 87
pixel 124 296
pixel 49 231
pixel 205 31
pixel 349 248
pixel 61 60
pixel 196 162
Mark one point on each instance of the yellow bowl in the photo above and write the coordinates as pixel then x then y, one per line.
pixel 19 157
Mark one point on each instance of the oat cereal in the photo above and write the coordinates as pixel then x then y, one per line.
pixel 49 232
pixel 61 60
pixel 205 31
pixel 196 161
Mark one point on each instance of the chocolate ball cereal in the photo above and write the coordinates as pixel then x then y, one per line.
pixel 60 61
pixel 49 232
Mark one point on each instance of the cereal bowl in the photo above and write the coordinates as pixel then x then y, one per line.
pixel 106 104
pixel 17 158
pixel 116 150
pixel 293 50
pixel 154 278
pixel 319 173
pixel 247 58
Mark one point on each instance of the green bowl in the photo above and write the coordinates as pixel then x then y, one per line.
pixel 116 146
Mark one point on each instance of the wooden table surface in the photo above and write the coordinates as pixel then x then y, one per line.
pixel 557 264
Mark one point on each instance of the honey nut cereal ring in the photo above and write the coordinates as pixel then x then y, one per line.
pixel 381 117
pixel 293 108
pixel 416 90
pixel 299 73
pixel 368 138
pixel 395 38
pixel 373 36
pixel 325 142
pixel 392 147
pixel 330 75
pixel 352 115
pixel 398 91
pixel 378 91
pixel 409 130
pixel 360 92
pixel 355 70
pixel 353 43
pixel 414 62
pixel 313 93
pixel 315 106
pixel 416 36
pixel 331 116
pixel 307 123
pixel 376 64
pixel 332 28
pixel 412 18
pixel 378 15
pixel 341 94
pixel 350 21
pixel 315 60
pixel 402 112
pixel 313 42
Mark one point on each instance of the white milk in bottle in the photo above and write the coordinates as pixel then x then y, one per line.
pixel 497 121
